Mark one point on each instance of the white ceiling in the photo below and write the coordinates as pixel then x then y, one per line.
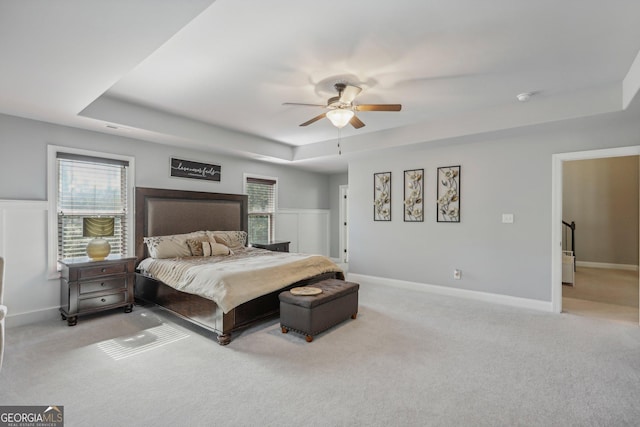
pixel 189 72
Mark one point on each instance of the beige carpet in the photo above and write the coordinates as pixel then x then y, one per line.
pixel 603 293
pixel 409 359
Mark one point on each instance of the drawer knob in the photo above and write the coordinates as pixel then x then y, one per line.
pixel 103 270
pixel 102 284
pixel 103 300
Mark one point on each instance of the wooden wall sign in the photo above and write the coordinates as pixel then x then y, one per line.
pixel 189 169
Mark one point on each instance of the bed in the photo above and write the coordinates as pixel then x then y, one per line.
pixel 161 212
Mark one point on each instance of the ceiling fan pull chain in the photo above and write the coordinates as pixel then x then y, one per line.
pixel 339 140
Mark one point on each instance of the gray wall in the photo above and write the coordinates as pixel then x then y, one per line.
pixel 505 172
pixel 601 196
pixel 23 165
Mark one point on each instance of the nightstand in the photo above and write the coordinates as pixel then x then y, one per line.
pixel 88 286
pixel 274 245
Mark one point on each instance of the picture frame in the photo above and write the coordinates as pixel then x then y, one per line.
pixel 382 196
pixel 181 168
pixel 448 194
pixel 414 195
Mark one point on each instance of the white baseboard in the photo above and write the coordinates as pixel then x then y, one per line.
pixel 21 319
pixel 464 293
pixel 590 264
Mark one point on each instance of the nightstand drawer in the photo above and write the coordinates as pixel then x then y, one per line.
pixel 103 285
pixel 100 302
pixel 103 270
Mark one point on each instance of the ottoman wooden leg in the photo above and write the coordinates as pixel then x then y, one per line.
pixel 284 329
pixel 224 339
pixel 354 315
pixel 309 338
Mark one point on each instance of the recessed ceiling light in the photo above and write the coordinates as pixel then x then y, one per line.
pixel 524 97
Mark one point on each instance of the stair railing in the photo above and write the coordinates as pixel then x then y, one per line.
pixel 570 229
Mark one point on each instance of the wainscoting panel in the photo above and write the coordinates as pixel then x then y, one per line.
pixel 28 293
pixel 306 229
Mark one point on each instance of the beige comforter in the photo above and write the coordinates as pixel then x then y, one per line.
pixel 232 280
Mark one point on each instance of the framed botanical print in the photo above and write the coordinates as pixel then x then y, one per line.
pixel 382 196
pixel 414 195
pixel 449 194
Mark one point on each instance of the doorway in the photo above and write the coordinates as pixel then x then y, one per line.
pixel 604 286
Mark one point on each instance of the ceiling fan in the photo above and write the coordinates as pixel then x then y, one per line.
pixel 342 109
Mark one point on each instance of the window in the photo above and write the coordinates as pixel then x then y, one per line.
pixel 87 184
pixel 90 187
pixel 262 207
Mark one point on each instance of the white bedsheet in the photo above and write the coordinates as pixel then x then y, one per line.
pixel 232 280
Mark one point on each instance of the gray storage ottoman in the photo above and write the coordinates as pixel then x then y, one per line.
pixel 312 314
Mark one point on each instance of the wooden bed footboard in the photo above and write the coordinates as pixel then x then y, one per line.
pixel 206 314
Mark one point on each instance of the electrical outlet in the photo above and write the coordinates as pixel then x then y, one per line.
pixel 457 274
pixel 507 218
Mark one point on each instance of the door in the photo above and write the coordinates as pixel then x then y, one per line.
pixel 344 226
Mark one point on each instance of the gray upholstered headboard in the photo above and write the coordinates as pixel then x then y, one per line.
pixel 162 212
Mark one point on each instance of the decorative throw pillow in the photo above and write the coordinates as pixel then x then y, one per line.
pixel 234 240
pixel 195 246
pixel 172 246
pixel 206 248
pixel 218 249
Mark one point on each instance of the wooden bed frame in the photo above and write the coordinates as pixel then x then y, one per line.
pixel 162 212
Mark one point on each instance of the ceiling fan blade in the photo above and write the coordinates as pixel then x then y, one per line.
pixel 378 107
pixel 303 104
pixel 315 119
pixel 349 94
pixel 356 122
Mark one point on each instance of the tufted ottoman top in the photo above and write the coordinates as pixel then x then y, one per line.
pixel 331 289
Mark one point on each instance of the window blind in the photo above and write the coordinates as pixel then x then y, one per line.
pixel 90 187
pixel 262 200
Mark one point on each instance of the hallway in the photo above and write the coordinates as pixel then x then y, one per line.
pixel 603 293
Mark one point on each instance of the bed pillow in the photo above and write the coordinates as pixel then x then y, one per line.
pixel 234 240
pixel 172 246
pixel 207 248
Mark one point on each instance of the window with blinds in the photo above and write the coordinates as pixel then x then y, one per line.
pixel 90 187
pixel 262 208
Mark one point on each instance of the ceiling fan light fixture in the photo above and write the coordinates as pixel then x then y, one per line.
pixel 340 117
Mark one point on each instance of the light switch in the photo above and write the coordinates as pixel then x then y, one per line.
pixel 507 218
